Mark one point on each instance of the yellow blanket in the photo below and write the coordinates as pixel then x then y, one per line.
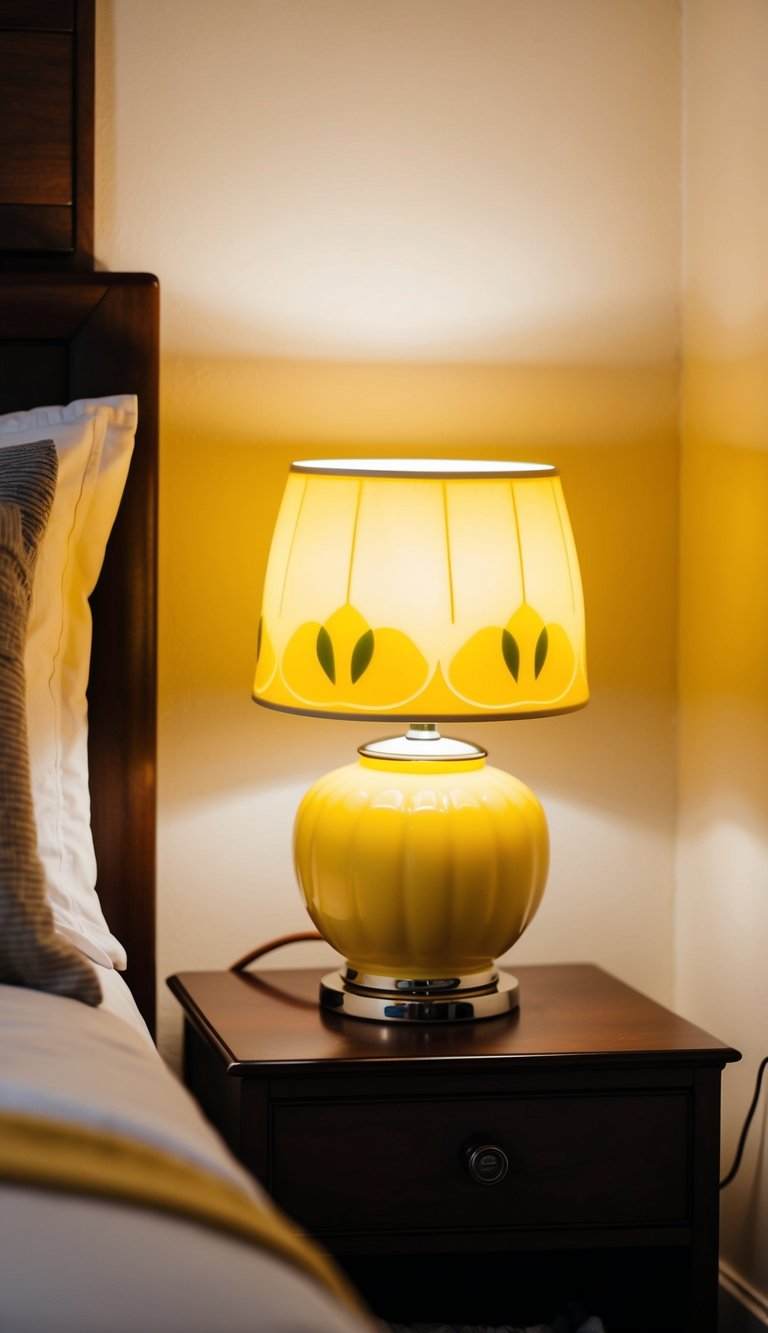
pixel 80 1160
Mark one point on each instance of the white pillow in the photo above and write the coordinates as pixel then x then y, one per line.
pixel 94 441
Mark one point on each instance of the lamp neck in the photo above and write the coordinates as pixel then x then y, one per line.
pixel 423 731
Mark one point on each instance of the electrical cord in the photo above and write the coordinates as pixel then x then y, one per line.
pixel 248 958
pixel 745 1128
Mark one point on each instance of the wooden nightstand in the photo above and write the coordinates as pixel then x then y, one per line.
pixel 604 1106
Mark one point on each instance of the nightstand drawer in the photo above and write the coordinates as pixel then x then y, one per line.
pixel 572 1160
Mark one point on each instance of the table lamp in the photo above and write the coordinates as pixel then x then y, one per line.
pixel 423 591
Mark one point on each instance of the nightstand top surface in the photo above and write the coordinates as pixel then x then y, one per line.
pixel 568 1012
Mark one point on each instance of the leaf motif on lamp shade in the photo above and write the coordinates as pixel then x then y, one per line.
pixel 344 663
pixel 361 656
pixel 542 648
pixel 510 652
pixel 525 664
pixel 325 654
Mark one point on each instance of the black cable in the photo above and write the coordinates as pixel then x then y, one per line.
pixel 243 963
pixel 745 1129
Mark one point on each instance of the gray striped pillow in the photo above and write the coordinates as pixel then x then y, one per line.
pixel 31 953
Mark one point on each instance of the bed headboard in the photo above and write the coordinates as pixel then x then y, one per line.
pixel 75 335
pixel 46 133
pixel 67 332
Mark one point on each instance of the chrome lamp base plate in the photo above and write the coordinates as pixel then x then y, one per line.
pixel 444 1000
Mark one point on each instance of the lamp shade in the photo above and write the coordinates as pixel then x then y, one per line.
pixel 422 589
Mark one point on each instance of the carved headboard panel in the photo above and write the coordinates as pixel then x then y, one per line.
pixel 46 133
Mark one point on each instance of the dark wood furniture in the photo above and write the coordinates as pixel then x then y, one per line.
pixel 606 1105
pixel 65 336
pixel 46 133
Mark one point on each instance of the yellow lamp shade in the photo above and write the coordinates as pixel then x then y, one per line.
pixel 422 589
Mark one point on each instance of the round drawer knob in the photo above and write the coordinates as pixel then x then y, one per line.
pixel 487 1163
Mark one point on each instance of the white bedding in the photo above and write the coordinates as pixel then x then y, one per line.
pixel 77 1265
pixel 118 1000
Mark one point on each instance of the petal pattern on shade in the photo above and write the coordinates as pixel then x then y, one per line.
pixel 345 663
pixel 508 666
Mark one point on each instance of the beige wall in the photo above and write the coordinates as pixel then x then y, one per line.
pixel 722 907
pixel 447 226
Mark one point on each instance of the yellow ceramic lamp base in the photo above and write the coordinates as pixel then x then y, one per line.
pixel 421 872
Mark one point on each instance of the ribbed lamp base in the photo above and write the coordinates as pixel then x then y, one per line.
pixel 420 865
